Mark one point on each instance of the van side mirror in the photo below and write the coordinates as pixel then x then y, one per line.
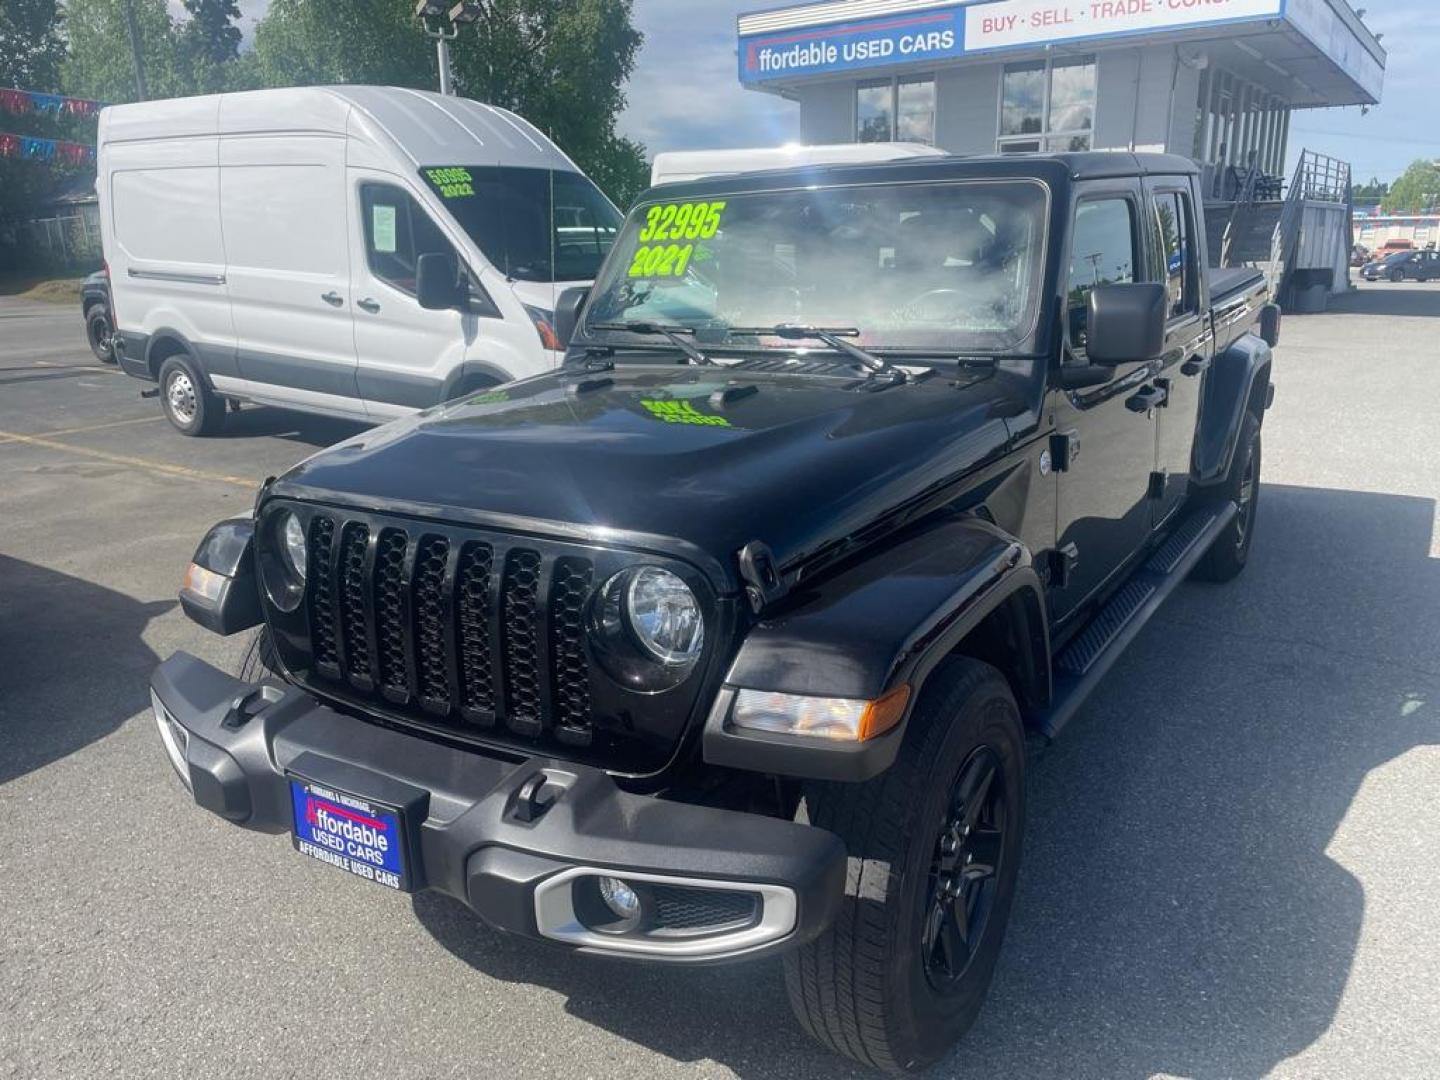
pixel 437 281
pixel 567 312
pixel 1125 324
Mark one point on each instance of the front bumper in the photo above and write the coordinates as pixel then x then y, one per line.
pixel 510 838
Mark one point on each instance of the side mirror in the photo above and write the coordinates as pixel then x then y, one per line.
pixel 567 312
pixel 437 281
pixel 1125 324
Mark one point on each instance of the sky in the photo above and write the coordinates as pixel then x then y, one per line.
pixel 684 93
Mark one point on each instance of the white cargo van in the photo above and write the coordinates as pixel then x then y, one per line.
pixel 360 251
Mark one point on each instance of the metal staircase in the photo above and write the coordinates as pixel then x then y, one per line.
pixel 1272 233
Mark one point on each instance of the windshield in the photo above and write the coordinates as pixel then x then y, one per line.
pixel 951 267
pixel 532 224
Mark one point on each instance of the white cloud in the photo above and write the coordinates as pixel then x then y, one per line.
pixel 685 92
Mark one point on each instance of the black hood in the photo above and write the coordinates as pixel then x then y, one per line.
pixel 698 461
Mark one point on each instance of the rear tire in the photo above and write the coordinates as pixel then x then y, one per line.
pixel 1231 550
pixel 259 664
pixel 189 404
pixel 934 848
pixel 98 331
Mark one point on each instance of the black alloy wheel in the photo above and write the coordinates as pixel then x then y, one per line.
pixel 98 332
pixel 964 871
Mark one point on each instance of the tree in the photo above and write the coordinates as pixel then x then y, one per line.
pixel 31 46
pixel 1418 188
pixel 211 43
pixel 1375 189
pixel 100 65
pixel 311 42
pixel 211 31
pixel 562 64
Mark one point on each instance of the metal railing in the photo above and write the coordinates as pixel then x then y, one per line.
pixel 1317 178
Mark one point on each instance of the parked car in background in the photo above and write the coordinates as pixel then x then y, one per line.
pixel 1404 266
pixel 359 251
pixel 1390 247
pixel 95 306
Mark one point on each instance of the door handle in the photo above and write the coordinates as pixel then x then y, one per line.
pixel 1145 399
pixel 368 304
pixel 333 298
pixel 1195 365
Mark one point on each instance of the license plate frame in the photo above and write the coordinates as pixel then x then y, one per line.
pixel 363 836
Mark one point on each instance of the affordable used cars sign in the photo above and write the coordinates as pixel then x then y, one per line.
pixel 917 36
pixel 1007 23
pixel 940 32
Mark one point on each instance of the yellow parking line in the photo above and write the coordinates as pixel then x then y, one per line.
pixel 102 427
pixel 161 467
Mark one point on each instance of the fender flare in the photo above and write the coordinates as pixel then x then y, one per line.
pixel 470 369
pixel 883 622
pixel 1239 377
pixel 167 333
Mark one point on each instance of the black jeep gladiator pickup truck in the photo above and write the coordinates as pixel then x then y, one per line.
pixel 723 640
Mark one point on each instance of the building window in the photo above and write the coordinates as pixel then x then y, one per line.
pixel 901 109
pixel 1047 105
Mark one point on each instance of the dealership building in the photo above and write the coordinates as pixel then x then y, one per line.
pixel 1215 80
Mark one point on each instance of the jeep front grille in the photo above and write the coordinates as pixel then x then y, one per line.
pixel 472 633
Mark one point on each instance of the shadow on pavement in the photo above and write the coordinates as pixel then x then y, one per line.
pixel 254 421
pixel 1178 912
pixel 73 664
pixel 1398 299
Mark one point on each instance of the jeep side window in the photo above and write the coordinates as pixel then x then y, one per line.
pixel 1172 219
pixel 1102 252
pixel 397 230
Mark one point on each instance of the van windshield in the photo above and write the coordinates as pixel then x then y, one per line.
pixel 532 224
pixel 952 266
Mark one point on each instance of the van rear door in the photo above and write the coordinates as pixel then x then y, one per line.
pixel 282 203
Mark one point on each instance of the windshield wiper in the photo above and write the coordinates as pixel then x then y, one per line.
pixel 673 332
pixel 834 336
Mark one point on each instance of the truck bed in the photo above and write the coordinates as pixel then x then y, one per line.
pixel 1236 296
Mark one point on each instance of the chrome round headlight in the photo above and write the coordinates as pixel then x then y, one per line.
pixel 665 616
pixel 280 552
pixel 292 535
pixel 647 629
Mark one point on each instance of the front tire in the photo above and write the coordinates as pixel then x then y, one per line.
pixel 934 845
pixel 188 403
pixel 1397 275
pixel 1231 550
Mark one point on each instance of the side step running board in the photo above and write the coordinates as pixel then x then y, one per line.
pixel 1086 659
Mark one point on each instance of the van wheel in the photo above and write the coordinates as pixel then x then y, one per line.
pixel 1397 275
pixel 98 331
pixel 188 402
pixel 934 846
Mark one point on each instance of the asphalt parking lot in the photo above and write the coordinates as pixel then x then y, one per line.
pixel 1233 853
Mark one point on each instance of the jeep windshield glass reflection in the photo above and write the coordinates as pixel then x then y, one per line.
pixel 949 267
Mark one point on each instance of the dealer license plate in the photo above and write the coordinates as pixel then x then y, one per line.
pixel 357 835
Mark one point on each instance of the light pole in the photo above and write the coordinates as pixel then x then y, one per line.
pixel 444 26
pixel 433 21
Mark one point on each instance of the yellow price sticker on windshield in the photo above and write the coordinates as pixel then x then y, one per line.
pixel 452 183
pixel 661 260
pixel 681 221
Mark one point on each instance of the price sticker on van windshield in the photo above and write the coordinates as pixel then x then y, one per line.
pixel 668 235
pixel 452 183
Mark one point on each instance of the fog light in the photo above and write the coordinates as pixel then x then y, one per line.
pixel 620 898
pixel 174 738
